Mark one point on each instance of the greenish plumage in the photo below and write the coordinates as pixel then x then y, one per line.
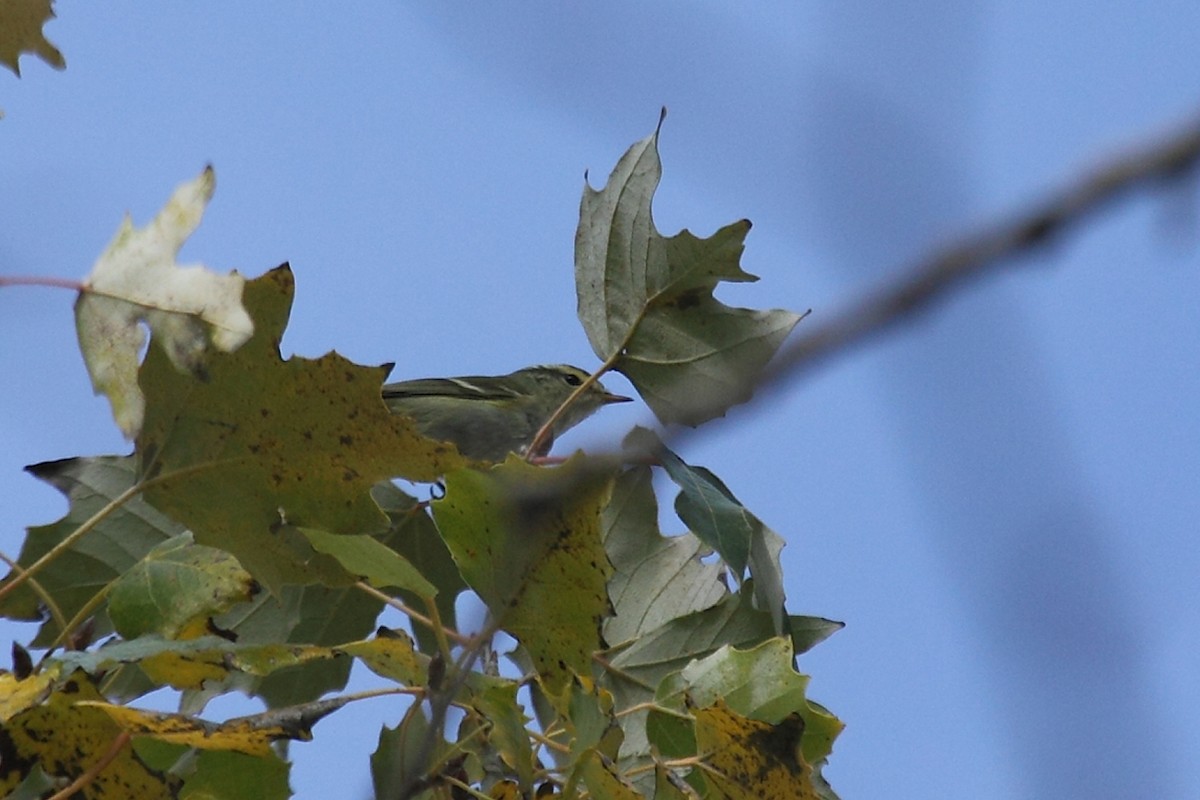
pixel 488 417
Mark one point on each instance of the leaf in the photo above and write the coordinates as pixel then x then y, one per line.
pixel 118 542
pixel 190 664
pixel 137 281
pixel 299 441
pixel 324 617
pixel 752 760
pixel 249 735
pixel 496 702
pixel 527 540
pixel 177 587
pixel 734 621
pixel 656 578
pixel 707 506
pixel 219 774
pixel 646 301
pixel 21 32
pixel 601 778
pixel 759 683
pixel 372 561
pixel 65 736
pixel 390 654
pixel 400 763
pixel 413 535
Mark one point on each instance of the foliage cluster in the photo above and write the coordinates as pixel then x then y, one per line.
pixel 253 537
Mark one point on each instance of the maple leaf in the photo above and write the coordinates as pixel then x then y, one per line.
pixel 267 445
pixel 646 300
pixel 137 281
pixel 21 32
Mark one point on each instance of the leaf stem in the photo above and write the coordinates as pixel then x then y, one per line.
pixel 41 280
pixel 72 538
pixel 435 625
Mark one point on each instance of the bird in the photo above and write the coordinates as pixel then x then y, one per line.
pixel 488 417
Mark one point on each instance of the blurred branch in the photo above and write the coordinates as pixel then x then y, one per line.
pixel 1166 159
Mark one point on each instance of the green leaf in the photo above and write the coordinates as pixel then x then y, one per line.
pixel 218 774
pixel 118 542
pixel 177 587
pixel 527 540
pixel 299 442
pixel 372 561
pixel 657 579
pixel 668 648
pixel 396 765
pixel 647 301
pixel 496 701
pixel 413 535
pixel 759 683
pixel 707 506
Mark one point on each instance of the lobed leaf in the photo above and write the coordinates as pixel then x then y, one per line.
pixel 646 301
pixel 136 281
pixel 299 442
pixel 118 541
pixel 21 32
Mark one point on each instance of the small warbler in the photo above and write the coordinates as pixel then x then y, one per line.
pixel 488 417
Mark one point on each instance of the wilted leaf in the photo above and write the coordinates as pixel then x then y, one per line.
pixel 137 281
pixel 647 300
pixel 176 588
pixel 299 441
pixel 21 32
pixel 527 540
pixel 190 664
pixel 118 542
pixel 249 735
pixel 752 760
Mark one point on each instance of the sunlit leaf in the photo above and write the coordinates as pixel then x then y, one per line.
pixel 136 281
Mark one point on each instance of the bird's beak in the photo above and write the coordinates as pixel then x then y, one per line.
pixel 609 397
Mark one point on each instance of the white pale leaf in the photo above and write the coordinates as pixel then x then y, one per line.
pixel 135 281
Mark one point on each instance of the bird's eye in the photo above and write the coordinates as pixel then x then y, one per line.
pixel 572 380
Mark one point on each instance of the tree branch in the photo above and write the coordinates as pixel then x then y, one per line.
pixel 933 278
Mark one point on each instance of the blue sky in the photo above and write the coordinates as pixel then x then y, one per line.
pixel 1000 500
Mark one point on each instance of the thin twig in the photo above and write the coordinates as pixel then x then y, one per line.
pixel 55 612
